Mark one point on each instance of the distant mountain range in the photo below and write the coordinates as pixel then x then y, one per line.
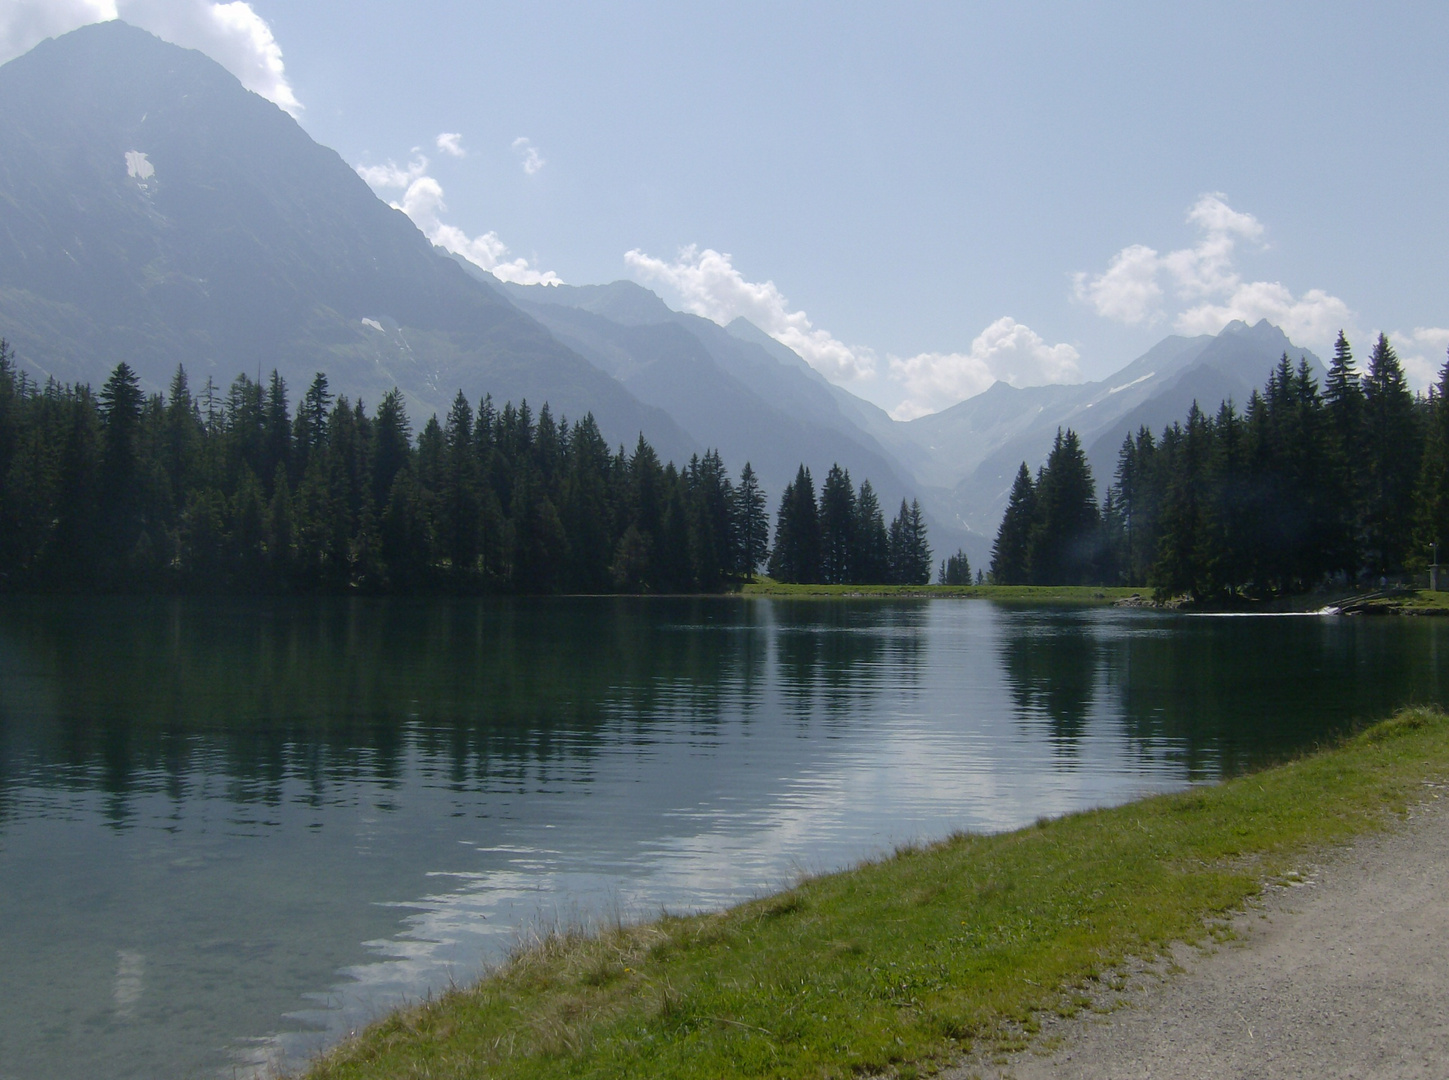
pixel 152 210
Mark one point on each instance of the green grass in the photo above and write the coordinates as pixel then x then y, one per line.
pixel 1035 594
pixel 898 966
pixel 1416 602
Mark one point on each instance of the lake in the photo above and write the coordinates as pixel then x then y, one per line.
pixel 233 830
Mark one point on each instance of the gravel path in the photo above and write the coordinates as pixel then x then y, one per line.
pixel 1345 974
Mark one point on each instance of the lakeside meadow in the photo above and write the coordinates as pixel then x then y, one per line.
pixel 903 963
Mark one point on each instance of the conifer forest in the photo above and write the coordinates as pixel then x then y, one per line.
pixel 235 491
pixel 1301 487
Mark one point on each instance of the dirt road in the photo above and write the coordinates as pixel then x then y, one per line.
pixel 1343 975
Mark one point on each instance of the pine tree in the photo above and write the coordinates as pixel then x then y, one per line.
pixel 1065 532
pixel 1432 526
pixel 796 554
pixel 1344 400
pixel 460 490
pixel 120 407
pixel 752 523
pixel 1392 447
pixel 956 570
pixel 1010 553
pixel 910 553
pixel 837 528
pixel 276 430
pixel 872 562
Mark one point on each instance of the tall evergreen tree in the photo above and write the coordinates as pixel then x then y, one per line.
pixel 1432 526
pixel 1010 554
pixel 956 569
pixel 796 554
pixel 837 528
pixel 752 526
pixel 1065 532
pixel 910 553
pixel 120 407
pixel 460 491
pixel 1391 460
pixel 872 542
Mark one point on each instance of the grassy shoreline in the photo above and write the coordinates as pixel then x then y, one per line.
pixel 1396 601
pixel 1027 594
pixel 897 966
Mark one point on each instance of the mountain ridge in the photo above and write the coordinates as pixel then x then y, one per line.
pixel 152 210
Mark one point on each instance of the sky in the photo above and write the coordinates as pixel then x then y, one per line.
pixel 919 198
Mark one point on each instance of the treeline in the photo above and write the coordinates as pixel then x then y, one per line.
pixel 843 539
pixel 235 492
pixel 1302 487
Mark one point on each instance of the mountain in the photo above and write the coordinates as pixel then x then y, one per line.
pixel 154 211
pixel 733 388
pixel 976 447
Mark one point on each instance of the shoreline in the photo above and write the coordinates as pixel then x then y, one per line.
pixel 911 961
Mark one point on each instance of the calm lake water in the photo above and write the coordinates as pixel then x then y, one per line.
pixel 230 831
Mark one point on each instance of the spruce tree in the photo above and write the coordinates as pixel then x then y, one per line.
pixel 837 528
pixel 1010 553
pixel 752 523
pixel 1065 533
pixel 910 554
pixel 796 554
pixel 1432 526
pixel 120 408
pixel 956 569
pixel 1392 446
pixel 460 492
pixel 872 563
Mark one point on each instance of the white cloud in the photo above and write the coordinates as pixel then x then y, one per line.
pixel 451 143
pixel 26 23
pixel 1422 353
pixel 1127 291
pixel 422 200
pixel 391 175
pixel 1204 279
pixel 232 34
pixel 531 160
pixel 1313 318
pixel 1006 350
pixel 708 284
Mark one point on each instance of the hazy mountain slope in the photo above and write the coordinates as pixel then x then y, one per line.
pixel 670 365
pixel 1154 390
pixel 238 244
pixel 775 373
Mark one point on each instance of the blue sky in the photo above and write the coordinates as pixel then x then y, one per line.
pixel 920 198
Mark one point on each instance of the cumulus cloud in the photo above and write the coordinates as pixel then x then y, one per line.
pixel 422 200
pixel 1205 282
pixel 391 175
pixel 1422 352
pixel 1315 317
pixel 524 147
pixel 451 143
pixel 232 34
pixel 1006 350
pixel 1127 290
pixel 26 23
pixel 707 284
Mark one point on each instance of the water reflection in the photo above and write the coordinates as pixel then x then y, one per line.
pixel 1053 665
pixel 234 829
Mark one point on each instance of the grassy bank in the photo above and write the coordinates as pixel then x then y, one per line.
pixel 898 965
pixel 1031 594
pixel 1408 602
